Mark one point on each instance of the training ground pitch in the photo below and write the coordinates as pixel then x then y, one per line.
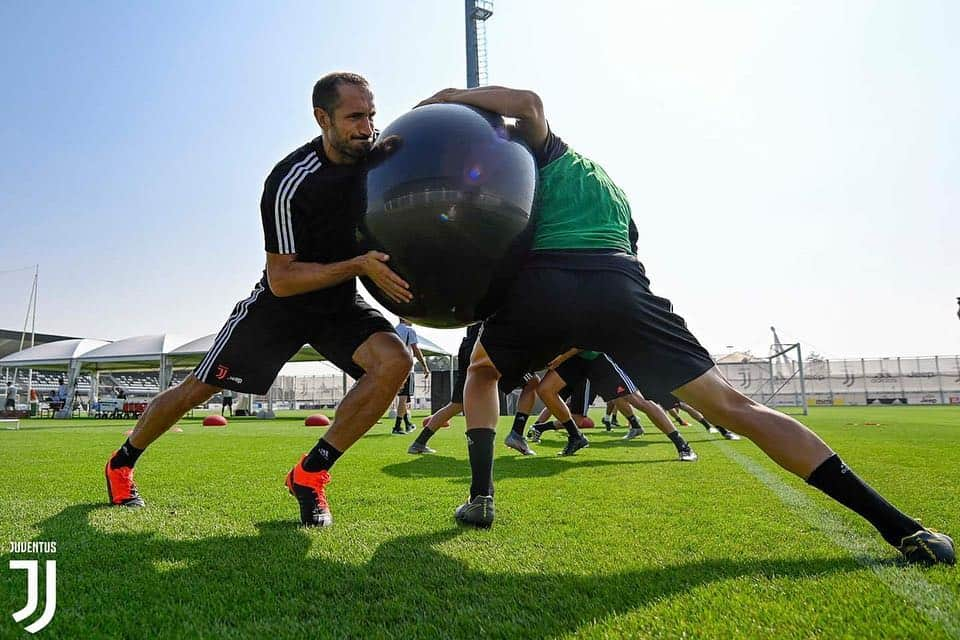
pixel 619 541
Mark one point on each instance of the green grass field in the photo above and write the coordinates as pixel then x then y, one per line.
pixel 619 541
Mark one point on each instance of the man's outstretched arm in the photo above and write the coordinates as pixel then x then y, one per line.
pixel 521 104
pixel 287 276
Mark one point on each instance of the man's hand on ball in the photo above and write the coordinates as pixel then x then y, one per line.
pixel 444 95
pixel 373 265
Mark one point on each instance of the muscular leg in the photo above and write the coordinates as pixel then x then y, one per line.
pixel 549 391
pixel 798 450
pixel 528 397
pixel 433 424
pixel 609 414
pixel 653 411
pixel 699 417
pixel 786 441
pixel 515 439
pixel 481 405
pixel 443 416
pixel 623 406
pixel 544 414
pixel 543 423
pixel 386 364
pixel 161 414
pixel 661 420
pixel 167 408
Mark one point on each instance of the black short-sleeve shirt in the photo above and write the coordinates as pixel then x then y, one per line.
pixel 553 148
pixel 310 207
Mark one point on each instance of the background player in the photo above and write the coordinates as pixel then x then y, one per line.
pixel 408 335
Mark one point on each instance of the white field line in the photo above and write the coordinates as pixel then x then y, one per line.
pixel 907 582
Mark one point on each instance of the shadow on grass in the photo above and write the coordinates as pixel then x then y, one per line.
pixel 264 585
pixel 506 465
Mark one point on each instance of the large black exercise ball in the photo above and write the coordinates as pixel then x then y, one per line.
pixel 450 206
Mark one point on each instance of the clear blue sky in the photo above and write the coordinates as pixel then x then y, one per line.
pixel 793 164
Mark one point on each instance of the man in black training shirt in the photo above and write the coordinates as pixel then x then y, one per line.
pixel 310 207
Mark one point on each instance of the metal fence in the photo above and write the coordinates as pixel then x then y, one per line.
pixel 860 381
pixel 326 391
pixel 851 381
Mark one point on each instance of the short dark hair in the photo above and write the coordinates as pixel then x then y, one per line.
pixel 326 93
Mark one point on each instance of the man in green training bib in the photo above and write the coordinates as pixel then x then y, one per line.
pixel 582 251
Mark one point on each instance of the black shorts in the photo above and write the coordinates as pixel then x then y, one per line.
pixel 586 379
pixel 637 329
pixel 408 387
pixel 10 404
pixel 463 361
pixel 264 332
pixel 227 402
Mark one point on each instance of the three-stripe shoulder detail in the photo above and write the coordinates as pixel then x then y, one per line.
pixel 283 216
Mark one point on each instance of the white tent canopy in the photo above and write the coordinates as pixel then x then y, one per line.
pixel 191 353
pixel 145 352
pixel 158 351
pixel 138 352
pixel 52 354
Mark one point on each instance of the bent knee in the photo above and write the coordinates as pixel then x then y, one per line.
pixel 192 391
pixel 396 364
pixel 482 368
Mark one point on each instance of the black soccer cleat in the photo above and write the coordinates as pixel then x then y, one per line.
pixel 574 444
pixel 477 512
pixel 928 547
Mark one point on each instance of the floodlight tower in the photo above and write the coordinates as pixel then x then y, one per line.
pixel 477 13
pixel 779 354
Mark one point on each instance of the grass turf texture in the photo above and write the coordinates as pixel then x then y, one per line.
pixel 619 541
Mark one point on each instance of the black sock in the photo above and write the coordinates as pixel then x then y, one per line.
pixel 519 422
pixel 721 430
pixel 840 483
pixel 406 420
pixel 634 423
pixel 706 425
pixel 425 434
pixel 678 440
pixel 396 424
pixel 677 419
pixel 480 448
pixel 545 426
pixel 571 427
pixel 321 457
pixel 126 457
